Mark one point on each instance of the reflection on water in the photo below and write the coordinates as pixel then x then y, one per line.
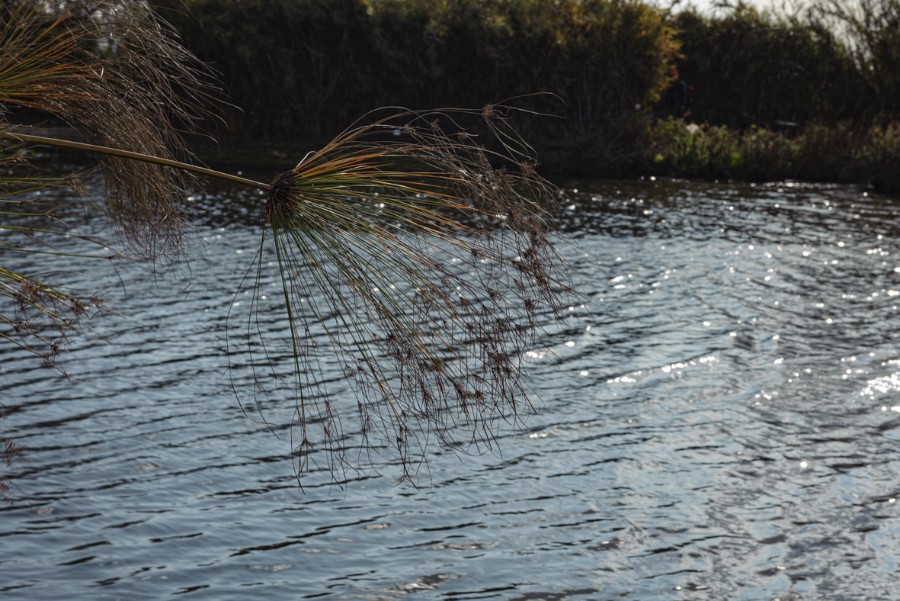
pixel 720 421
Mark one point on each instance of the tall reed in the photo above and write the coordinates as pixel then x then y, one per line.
pixel 48 66
pixel 433 260
pixel 871 31
pixel 425 235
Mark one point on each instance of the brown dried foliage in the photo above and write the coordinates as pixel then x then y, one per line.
pixel 116 74
pixel 414 257
pixel 434 259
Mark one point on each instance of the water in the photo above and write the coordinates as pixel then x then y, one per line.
pixel 720 420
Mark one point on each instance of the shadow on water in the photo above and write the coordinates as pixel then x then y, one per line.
pixel 720 421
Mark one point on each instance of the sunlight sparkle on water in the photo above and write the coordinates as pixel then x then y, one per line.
pixel 780 482
pixel 622 380
pixel 883 386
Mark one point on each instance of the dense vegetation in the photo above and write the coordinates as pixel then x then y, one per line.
pixel 301 70
pixel 780 85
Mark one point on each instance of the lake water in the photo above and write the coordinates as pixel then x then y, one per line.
pixel 720 420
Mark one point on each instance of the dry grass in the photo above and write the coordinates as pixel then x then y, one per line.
pixel 428 247
pixel 114 73
pixel 434 260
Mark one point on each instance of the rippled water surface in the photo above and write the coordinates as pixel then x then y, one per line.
pixel 720 420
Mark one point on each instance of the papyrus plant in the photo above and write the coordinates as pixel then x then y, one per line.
pixel 413 252
pixel 113 74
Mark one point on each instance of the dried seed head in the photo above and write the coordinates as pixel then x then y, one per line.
pixel 138 94
pixel 280 199
pixel 392 249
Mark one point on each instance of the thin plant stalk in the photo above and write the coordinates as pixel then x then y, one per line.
pixel 135 156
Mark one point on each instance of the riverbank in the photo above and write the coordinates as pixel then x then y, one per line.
pixel 674 148
pixel 624 88
pixel 839 153
pixel 842 153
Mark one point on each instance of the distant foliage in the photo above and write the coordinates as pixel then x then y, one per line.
pixel 748 68
pixel 871 29
pixel 835 153
pixel 301 69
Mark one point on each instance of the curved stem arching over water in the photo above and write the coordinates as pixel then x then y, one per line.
pixel 415 258
pixel 136 156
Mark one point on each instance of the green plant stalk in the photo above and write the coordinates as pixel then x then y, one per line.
pixel 136 156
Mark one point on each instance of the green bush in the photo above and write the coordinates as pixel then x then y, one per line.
pixel 871 30
pixel 826 153
pixel 302 69
pixel 749 68
pixel 880 158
